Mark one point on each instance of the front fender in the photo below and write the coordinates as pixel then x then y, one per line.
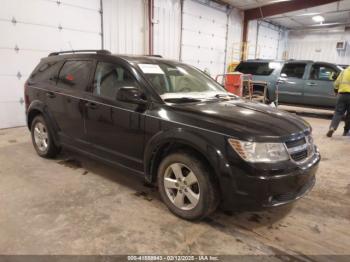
pixel 213 153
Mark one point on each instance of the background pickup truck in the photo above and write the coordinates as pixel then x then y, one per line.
pixel 299 82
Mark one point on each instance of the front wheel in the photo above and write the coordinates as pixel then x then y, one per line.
pixel 186 186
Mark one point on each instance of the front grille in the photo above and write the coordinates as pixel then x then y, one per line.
pixel 299 156
pixel 300 149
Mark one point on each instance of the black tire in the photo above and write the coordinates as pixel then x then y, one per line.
pixel 51 150
pixel 208 199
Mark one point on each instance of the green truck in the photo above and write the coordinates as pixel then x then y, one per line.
pixel 297 82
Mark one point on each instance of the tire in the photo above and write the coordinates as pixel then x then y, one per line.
pixel 186 186
pixel 42 138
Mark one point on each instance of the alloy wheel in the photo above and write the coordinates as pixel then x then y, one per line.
pixel 181 186
pixel 41 136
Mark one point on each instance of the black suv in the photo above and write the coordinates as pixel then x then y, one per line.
pixel 173 125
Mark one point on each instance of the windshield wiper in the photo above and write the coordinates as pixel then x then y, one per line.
pixel 181 100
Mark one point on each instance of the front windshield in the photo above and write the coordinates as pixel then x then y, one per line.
pixel 180 81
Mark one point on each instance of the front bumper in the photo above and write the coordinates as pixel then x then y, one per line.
pixel 274 190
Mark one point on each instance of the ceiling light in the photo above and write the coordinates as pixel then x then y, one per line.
pixel 308 14
pixel 318 18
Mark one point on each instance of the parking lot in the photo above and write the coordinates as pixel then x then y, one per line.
pixel 74 205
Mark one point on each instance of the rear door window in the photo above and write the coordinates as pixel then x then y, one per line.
pixel 294 70
pixel 75 75
pixel 256 68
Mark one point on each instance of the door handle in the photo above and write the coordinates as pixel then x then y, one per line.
pixel 50 95
pixel 311 84
pixel 91 105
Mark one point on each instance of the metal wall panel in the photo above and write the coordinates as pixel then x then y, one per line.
pixel 252 39
pixel 33 28
pixel 204 37
pixel 124 24
pixel 268 41
pixel 265 41
pixel 319 46
pixel 234 38
pixel 167 28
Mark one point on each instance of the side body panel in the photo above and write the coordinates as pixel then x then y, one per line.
pixel 319 92
pixel 291 89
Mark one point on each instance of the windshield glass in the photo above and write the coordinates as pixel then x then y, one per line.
pixel 257 68
pixel 180 81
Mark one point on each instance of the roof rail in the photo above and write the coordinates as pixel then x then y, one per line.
pixel 155 56
pixel 99 52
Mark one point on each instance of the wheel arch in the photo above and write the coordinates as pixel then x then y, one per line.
pixel 39 108
pixel 178 139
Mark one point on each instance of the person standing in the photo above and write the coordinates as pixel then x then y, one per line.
pixel 347 124
pixel 342 87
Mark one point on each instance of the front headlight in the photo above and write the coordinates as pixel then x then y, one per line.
pixel 259 152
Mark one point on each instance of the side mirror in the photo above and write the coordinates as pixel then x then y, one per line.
pixel 283 75
pixel 131 94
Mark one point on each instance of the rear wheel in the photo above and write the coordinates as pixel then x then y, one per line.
pixel 186 187
pixel 42 138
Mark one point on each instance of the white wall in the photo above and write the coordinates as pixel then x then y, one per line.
pixel 234 37
pixel 30 30
pixel 283 45
pixel 319 46
pixel 204 32
pixel 167 28
pixel 125 26
pixel 43 26
pixel 265 41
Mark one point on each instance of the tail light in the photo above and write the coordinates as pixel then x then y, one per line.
pixel 26 96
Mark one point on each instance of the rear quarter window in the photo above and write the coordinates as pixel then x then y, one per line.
pixel 46 72
pixel 255 68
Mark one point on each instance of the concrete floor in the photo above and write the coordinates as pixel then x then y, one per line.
pixel 73 205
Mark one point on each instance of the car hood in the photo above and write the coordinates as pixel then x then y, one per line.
pixel 241 119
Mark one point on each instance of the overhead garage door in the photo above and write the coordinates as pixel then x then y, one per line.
pixel 268 41
pixel 204 37
pixel 124 25
pixel 30 30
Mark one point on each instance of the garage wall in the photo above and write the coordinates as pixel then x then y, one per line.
pixel 30 29
pixel 204 31
pixel 265 41
pixel 124 26
pixel 235 35
pixel 53 25
pixel 319 46
pixel 252 39
pixel 167 28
